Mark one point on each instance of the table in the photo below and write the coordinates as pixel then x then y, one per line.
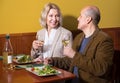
pixel 23 76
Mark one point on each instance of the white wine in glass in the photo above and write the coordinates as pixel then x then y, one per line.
pixel 65 42
pixel 40 48
pixel 41 42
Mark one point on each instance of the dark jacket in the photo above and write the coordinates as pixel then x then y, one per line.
pixel 95 63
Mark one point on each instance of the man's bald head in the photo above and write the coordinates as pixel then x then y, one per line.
pixel 93 12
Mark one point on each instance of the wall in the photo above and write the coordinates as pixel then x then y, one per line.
pixel 22 42
pixel 18 16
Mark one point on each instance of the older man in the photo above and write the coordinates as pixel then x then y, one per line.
pixel 92 53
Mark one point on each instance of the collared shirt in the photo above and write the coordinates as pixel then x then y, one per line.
pixel 48 42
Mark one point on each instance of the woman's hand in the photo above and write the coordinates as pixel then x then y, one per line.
pixel 47 61
pixel 39 59
pixel 37 43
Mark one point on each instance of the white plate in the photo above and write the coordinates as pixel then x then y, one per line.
pixel 41 67
pixel 16 58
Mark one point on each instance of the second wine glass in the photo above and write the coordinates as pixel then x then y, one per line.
pixel 66 40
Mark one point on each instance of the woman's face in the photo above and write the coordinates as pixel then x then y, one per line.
pixel 53 18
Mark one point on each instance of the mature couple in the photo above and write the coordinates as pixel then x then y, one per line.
pixel 89 56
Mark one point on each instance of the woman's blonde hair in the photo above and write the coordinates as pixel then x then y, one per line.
pixel 45 12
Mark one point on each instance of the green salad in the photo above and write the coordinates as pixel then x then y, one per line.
pixel 24 59
pixel 46 70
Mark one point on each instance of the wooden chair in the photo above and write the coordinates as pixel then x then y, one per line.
pixel 116 67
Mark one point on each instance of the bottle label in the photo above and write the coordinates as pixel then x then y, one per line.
pixel 9 59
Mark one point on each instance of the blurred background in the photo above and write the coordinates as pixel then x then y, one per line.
pixel 19 16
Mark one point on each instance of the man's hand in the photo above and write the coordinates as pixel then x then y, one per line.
pixel 68 51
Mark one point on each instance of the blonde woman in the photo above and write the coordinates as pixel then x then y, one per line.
pixel 52 34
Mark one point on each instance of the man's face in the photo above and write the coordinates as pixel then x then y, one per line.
pixel 82 20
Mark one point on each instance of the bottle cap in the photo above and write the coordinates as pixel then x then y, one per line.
pixel 7 36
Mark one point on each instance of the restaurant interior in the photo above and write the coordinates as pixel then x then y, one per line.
pixel 20 18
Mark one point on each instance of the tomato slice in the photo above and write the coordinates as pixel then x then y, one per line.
pixel 32 69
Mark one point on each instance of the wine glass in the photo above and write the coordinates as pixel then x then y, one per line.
pixel 40 49
pixel 66 40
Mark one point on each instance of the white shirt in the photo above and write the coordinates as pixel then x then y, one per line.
pixel 48 42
